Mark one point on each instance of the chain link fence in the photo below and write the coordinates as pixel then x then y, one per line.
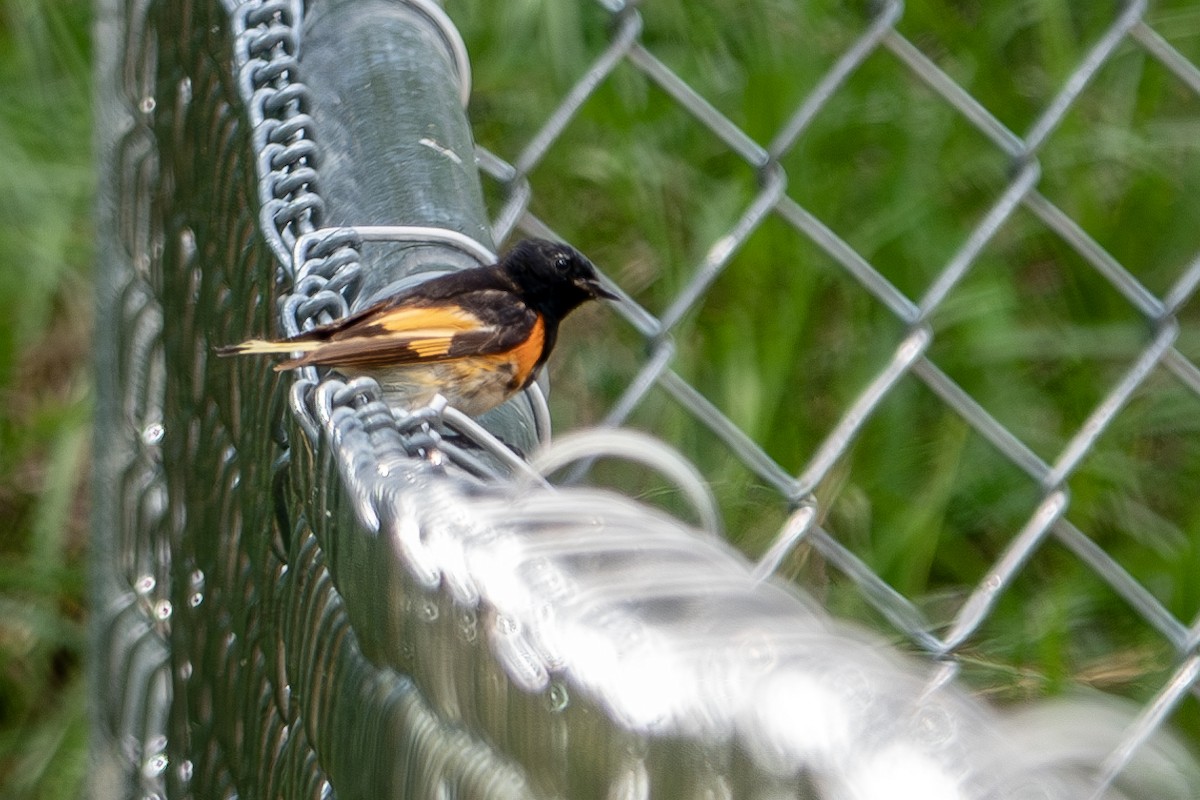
pixel 1152 361
pixel 301 593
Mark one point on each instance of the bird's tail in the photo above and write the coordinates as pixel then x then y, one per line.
pixel 252 347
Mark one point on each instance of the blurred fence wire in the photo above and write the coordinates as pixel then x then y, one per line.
pixel 300 592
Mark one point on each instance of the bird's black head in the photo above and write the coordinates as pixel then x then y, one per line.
pixel 552 277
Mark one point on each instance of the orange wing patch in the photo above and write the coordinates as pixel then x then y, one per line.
pixel 415 320
pixel 406 334
pixel 429 344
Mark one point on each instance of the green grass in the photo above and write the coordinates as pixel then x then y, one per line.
pixel 46 186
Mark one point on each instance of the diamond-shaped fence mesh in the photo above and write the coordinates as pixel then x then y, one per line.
pixel 1142 356
pixel 1146 350
pixel 911 287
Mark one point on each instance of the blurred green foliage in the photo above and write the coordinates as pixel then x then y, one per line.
pixel 46 186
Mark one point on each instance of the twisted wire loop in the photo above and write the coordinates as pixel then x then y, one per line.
pixel 266 57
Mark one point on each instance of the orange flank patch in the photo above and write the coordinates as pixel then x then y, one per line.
pixel 528 352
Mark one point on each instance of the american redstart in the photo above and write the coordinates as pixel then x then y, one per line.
pixel 477 336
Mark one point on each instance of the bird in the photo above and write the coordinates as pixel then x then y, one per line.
pixel 477 336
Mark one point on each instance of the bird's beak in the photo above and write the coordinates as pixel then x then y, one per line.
pixel 595 288
pixel 598 291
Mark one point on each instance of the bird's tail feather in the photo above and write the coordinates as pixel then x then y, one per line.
pixel 266 347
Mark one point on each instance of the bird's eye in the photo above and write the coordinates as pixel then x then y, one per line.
pixel 562 263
